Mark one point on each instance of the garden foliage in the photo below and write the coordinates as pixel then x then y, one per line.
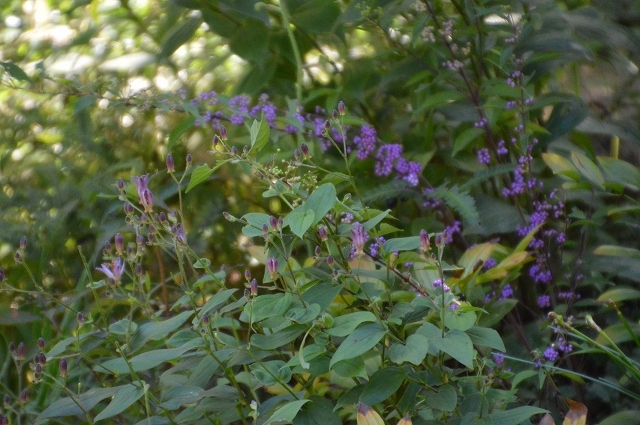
pixel 398 212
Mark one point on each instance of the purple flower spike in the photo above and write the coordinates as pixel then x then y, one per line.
pixel 142 184
pixel 360 237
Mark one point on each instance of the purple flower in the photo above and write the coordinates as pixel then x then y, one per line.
pixel 142 184
pixel 498 358
pixel 360 237
pixel 483 156
pixel 550 354
pixel 386 159
pixel 507 292
pixel 544 301
pixel 272 267
pixel 374 248
pixel 365 142
pixel 489 264
pixel 178 232
pixel 114 270
pixel 424 240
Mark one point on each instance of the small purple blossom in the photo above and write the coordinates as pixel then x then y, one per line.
pixel 114 270
pixel 386 158
pixel 483 156
pixel 490 263
pixel 272 267
pixel 498 358
pixel 366 142
pixel 550 354
pixel 544 301
pixel 360 237
pixel 506 292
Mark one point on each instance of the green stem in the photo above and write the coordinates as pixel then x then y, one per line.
pixel 294 45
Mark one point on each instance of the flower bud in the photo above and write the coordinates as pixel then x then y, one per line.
pixel 24 395
pixel 330 260
pixel 234 151
pixel 439 240
pixel 245 149
pixel 424 240
pixel 273 223
pixel 43 359
pixel 41 343
pixel 265 230
pixel 305 150
pixel 17 257
pixel 247 293
pixel 189 160
pixel 223 132
pixel 228 217
pixel 171 166
pixel 280 223
pixel 120 185
pixel 205 320
pixel 322 232
pixel 139 270
pixel 38 368
pixel 162 217
pixel 119 242
pixel 216 140
pixel 254 287
pixel 247 275
pixel 12 348
pixel 63 368
pixel 318 251
pixel 6 400
pixel 272 267
pixel 81 319
pixel 2 275
pixel 140 240
pixel 128 209
pixel 147 200
pixel 334 114
pixel 20 352
pixel 23 242
pixel 297 155
pixel 341 108
pixel 327 125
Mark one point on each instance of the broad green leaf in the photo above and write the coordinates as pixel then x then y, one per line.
pixel 617 251
pixel 321 201
pixel 286 413
pixel 588 169
pixel 371 223
pixel 382 385
pixel 458 345
pixel 461 320
pixel 344 325
pixel 15 71
pixel 217 300
pixel 124 398
pixel 61 346
pixel 278 339
pixel 299 221
pixel 619 333
pixel 201 173
pixel 627 417
pixel 319 411
pixel 402 244
pixel 153 330
pixel 465 138
pixel 621 172
pixel 619 294
pixel 70 407
pixel 146 360
pixel 255 222
pixel 271 305
pixel 179 34
pixel 359 342
pixel 497 311
pixel 123 327
pixel 83 103
pixel 486 337
pixel 441 98
pixel 351 368
pixel 314 16
pixel 515 416
pixel 260 133
pixel 180 395
pixel 271 372
pixel 525 374
pixel 304 314
pixel 561 166
pixel 445 398
pixel 413 352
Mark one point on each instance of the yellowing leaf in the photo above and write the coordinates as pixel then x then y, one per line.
pixel 577 414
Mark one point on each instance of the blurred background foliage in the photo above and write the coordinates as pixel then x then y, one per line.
pixel 93 91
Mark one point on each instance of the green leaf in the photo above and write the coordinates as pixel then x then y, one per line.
pixel 271 305
pixel 465 138
pixel 619 294
pixel 444 399
pixel 621 172
pixel 402 244
pixel 413 352
pixel 179 34
pixel 627 417
pixel 255 223
pixel 199 175
pixel 300 221
pixel 617 251
pixel 123 327
pixel 15 71
pixel 153 330
pixel 486 337
pixel 497 311
pixel 181 395
pixel 561 166
pixel 588 169
pixel 271 372
pixel 287 412
pixel 321 201
pixel 83 103
pixel 260 132
pixel 461 202
pixel 182 127
pixel 441 98
pixel 515 416
pixel 216 301
pixel 461 320
pixel 319 411
pixel 315 16
pixel 455 343
pixel 359 342
pixel 278 339
pixel 382 385
pixel 345 325
pixel 124 398
pixel 619 333
pixel 71 406
pixel 304 314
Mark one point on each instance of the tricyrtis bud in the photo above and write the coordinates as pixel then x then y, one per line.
pixel 171 166
pixel 81 319
pixel 327 125
pixel 439 240
pixel 254 287
pixel 265 230
pixel 330 260
pixel 205 320
pixel 322 232
pixel 273 222
pixel 305 150
pixel 41 343
pixel 424 240
pixel 120 185
pixel 119 242
pixel 272 267
pixel 64 372
pixel 12 348
pixel 139 270
pixel 223 132
pixel 334 115
pixel 228 216
pixel 7 400
pixel 189 160
pixel 216 141
pixel 24 395
pixel 147 200
pixel 23 242
pixel 43 359
pixel 318 251
pixel 234 151
pixel 341 108
pixel 297 155
pixel 247 275
pixel 20 352
pixel 2 275
pixel 128 209
pixel 245 149
pixel 17 257
pixel 140 240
